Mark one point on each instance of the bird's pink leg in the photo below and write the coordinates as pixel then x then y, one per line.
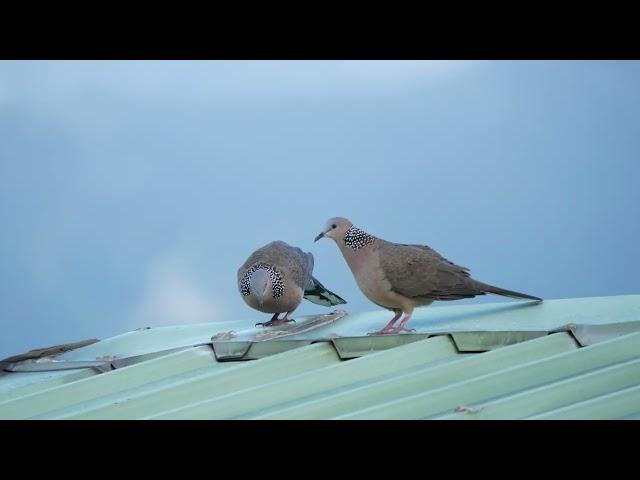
pixel 401 326
pixel 388 327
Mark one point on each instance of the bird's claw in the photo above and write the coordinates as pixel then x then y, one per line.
pixel 392 331
pixel 271 323
pixel 408 330
pixel 380 332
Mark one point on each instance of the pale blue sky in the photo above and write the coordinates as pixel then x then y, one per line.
pixel 132 191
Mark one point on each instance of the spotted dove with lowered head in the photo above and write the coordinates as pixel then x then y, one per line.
pixel 275 279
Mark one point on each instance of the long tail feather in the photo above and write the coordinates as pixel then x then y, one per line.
pixel 505 293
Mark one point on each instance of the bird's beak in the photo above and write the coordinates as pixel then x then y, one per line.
pixel 320 235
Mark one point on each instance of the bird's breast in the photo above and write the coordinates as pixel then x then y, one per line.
pixel 365 266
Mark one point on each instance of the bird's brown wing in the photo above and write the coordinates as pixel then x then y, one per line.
pixel 300 265
pixel 419 271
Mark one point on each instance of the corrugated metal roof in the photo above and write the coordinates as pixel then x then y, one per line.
pixel 576 358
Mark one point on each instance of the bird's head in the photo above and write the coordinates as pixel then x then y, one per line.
pixel 260 285
pixel 335 229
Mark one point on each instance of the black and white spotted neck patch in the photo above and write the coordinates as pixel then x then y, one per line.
pixel 355 238
pixel 277 285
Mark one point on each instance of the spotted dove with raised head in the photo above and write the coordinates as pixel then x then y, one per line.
pixel 401 277
pixel 275 279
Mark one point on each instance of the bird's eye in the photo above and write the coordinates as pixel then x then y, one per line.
pixel 333 226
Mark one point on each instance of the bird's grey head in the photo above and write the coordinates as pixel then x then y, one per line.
pixel 259 285
pixel 335 229
pixel 345 234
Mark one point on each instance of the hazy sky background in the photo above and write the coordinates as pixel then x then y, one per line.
pixel 132 191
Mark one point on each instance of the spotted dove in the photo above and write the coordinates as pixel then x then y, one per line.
pixel 401 277
pixel 275 279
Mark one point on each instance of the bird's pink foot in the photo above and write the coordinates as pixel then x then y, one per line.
pixel 402 329
pixel 380 332
pixel 391 331
pixel 401 326
pixel 388 328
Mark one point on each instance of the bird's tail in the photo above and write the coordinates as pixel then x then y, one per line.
pixel 505 293
pixel 319 294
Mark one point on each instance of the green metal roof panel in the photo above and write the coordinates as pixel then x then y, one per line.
pixel 505 381
pixel 577 358
pixel 217 382
pixel 621 404
pixel 77 409
pixel 18 385
pixel 555 395
pixel 393 387
pixel 328 378
pixel 97 386
pixel 149 340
